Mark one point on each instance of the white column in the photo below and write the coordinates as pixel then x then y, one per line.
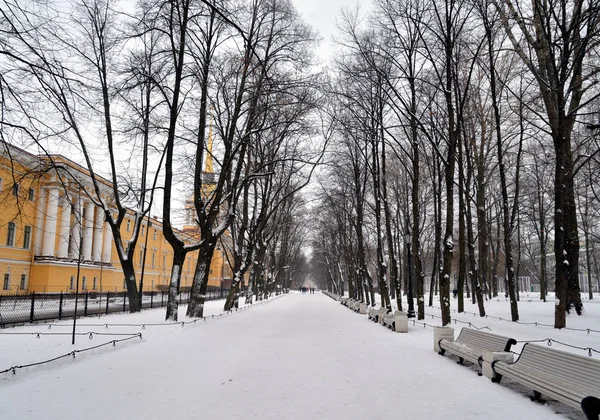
pixel 88 225
pixel 98 228
pixel 76 229
pixel 65 231
pixel 107 244
pixel 39 222
pixel 50 223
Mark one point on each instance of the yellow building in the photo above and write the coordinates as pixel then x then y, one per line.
pixel 48 224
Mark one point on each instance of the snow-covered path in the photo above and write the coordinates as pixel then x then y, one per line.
pixel 300 356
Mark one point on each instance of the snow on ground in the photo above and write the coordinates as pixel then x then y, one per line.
pixel 299 356
pixel 22 345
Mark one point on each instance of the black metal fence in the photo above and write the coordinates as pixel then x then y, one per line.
pixel 34 307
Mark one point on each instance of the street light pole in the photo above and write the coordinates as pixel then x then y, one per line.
pixel 78 214
pixel 409 274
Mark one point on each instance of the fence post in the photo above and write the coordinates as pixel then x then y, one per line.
pixel 107 300
pixel 124 300
pixel 162 299
pixel 32 306
pixel 60 305
pixel 151 299
pixel 86 303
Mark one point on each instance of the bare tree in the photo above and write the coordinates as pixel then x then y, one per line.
pixel 73 60
pixel 553 40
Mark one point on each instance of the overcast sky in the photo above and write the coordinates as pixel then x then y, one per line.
pixel 322 16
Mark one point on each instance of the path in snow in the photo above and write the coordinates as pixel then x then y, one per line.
pixel 301 356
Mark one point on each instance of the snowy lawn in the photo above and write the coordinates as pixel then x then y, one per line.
pixel 299 356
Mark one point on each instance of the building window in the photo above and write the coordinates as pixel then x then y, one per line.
pixel 72 283
pixel 1 183
pixel 15 189
pixel 125 284
pixel 83 283
pixel 10 237
pixel 143 230
pixel 23 284
pixel 128 225
pixel 31 194
pixel 6 285
pixel 155 234
pixel 153 258
pixel 141 256
pixel 27 237
pixel 165 260
pixel 95 283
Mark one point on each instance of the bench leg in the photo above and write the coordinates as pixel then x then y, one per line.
pixel 591 407
pixel 460 361
pixel 441 352
pixel 536 396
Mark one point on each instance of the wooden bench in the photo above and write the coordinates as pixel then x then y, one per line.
pixel 377 314
pixel 397 321
pixel 471 344
pixel 566 377
pixel 372 313
pixel 360 307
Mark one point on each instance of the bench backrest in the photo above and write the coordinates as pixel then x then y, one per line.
pixel 581 371
pixel 484 341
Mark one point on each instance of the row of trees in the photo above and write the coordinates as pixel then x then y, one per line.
pixel 452 115
pixel 445 118
pixel 131 90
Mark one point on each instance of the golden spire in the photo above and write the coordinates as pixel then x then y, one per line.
pixel 208 165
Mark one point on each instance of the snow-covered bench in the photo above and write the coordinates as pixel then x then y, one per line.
pixel 471 344
pixel 359 307
pixel 397 321
pixel 343 300
pixel 566 377
pixel 377 314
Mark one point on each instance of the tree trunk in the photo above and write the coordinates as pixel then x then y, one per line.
pixel 496 263
pixel 566 237
pixel 462 240
pixel 197 297
pixel 475 272
pixel 132 293
pixel 588 264
pixel 172 305
pixel 437 216
pixel 474 268
pixel 482 226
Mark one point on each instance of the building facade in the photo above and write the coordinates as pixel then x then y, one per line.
pixel 49 227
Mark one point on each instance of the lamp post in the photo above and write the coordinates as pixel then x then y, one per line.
pixel 78 214
pixel 411 306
